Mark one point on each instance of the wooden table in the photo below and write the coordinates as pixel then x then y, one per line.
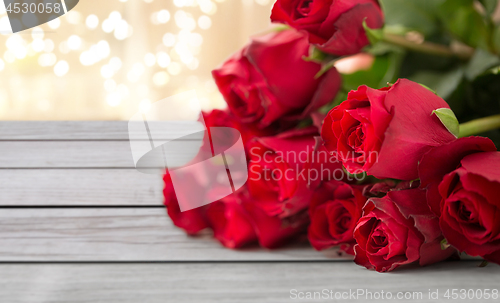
pixel 80 224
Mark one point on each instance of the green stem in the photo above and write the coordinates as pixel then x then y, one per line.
pixel 426 47
pixel 478 126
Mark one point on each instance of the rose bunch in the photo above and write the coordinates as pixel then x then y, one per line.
pixel 386 174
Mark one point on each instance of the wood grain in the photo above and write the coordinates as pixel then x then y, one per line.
pixel 118 234
pixel 71 154
pixel 229 282
pixel 37 187
pixel 76 130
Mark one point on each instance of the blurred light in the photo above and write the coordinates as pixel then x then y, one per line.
pixel 121 30
pixel 37 33
pixel 9 56
pixel 142 90
pixel 107 26
pixel 115 16
pixel 174 68
pixel 193 64
pixel 38 45
pixel 195 39
pixel 123 90
pixel 2 65
pixel 63 47
pixel 49 45
pixel 145 105
pixel 73 17
pixel 92 21
pixel 163 16
pixel 204 22
pixel 106 71
pixel 115 63
pixel 262 2
pixel 47 59
pixel 5 27
pixel 136 72
pixel 61 68
pixel 113 99
pixel 169 39
pixel 149 59
pixel 110 85
pixel 74 42
pixel 160 78
pixel 163 59
pixel 54 23
pixel 184 20
pixel 207 6
pixel 44 105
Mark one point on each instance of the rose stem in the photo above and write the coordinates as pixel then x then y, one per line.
pixel 478 126
pixel 426 47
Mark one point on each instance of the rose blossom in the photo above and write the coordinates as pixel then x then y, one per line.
pixel 268 80
pixel 237 222
pixel 334 26
pixel 463 181
pixel 398 229
pixel 285 170
pixel 385 132
pixel 334 211
pixel 192 221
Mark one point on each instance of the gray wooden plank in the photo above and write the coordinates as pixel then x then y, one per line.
pixel 61 154
pixel 118 234
pixel 223 282
pixel 37 187
pixel 75 130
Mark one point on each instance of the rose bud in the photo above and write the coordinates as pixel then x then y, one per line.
pixel 192 221
pixel 385 132
pixel 398 229
pixel 333 26
pixel 334 211
pixel 284 171
pixel 462 180
pixel 238 222
pixel 268 80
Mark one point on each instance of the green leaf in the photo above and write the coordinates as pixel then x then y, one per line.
pixel 484 263
pixel 374 35
pixel 444 244
pixel 449 120
pixel 480 63
pixel 443 83
pixel 385 69
pixel 489 6
pixel 315 55
pixel 463 21
pixel 418 15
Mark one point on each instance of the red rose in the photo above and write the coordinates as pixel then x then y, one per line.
pixel 385 132
pixel 269 80
pixel 231 223
pixel 398 229
pixel 238 222
pixel 192 221
pixel 334 211
pixel 223 118
pixel 284 171
pixel 463 180
pixel 334 26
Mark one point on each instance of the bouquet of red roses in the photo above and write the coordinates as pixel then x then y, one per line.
pixel 349 140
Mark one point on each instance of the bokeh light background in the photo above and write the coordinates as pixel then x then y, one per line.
pixel 105 60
